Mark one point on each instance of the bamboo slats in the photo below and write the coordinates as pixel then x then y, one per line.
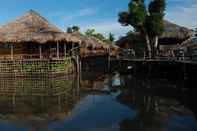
pixel 36 67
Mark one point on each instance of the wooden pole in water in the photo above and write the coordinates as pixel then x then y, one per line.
pixel 12 51
pixel 58 52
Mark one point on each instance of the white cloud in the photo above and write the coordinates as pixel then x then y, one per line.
pixel 185 15
pixel 73 15
pixel 80 13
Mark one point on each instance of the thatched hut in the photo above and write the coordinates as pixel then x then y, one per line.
pixel 91 46
pixel 173 35
pixel 32 36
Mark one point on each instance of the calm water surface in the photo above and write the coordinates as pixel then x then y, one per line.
pixel 97 102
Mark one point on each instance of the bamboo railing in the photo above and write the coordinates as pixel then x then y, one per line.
pixel 36 67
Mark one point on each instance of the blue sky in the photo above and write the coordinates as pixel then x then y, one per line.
pixel 98 14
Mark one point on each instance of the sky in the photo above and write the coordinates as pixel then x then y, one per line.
pixel 101 15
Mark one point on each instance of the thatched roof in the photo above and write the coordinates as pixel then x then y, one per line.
pixel 172 30
pixel 32 27
pixel 173 34
pixel 90 41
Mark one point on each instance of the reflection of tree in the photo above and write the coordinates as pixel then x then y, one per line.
pixel 155 101
pixel 147 107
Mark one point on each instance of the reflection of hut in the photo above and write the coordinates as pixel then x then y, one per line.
pixel 41 101
pixel 32 36
pixel 173 35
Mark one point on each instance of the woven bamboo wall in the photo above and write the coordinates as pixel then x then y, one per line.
pixel 35 68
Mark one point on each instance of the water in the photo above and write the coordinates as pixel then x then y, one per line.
pixel 97 102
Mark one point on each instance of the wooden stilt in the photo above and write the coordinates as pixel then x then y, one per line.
pixel 40 51
pixel 12 51
pixel 72 49
pixel 58 51
pixel 65 49
pixel 109 59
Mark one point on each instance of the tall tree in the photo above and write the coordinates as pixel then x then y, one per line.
pixel 149 22
pixel 135 17
pixel 154 22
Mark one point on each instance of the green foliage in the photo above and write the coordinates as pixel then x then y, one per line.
pixel 93 33
pixel 154 21
pixel 124 18
pixel 99 36
pixel 154 25
pixel 111 37
pixel 73 29
pixel 149 22
pixel 90 32
pixel 135 16
pixel 69 30
pixel 157 6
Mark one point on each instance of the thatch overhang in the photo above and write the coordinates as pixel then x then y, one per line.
pixel 173 34
pixel 32 27
pixel 90 41
pixel 130 40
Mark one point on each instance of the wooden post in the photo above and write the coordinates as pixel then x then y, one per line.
pixel 40 50
pixel 58 51
pixel 12 51
pixel 72 49
pixel 109 59
pixel 65 51
pixel 77 64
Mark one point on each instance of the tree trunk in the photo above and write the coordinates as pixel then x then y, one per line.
pixel 156 46
pixel 148 46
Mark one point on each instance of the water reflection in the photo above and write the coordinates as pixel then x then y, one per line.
pixel 162 105
pixel 97 102
pixel 35 102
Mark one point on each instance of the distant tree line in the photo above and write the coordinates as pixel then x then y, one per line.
pixel 92 32
pixel 73 29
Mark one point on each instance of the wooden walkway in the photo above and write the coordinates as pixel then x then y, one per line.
pixel 175 67
pixel 178 60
